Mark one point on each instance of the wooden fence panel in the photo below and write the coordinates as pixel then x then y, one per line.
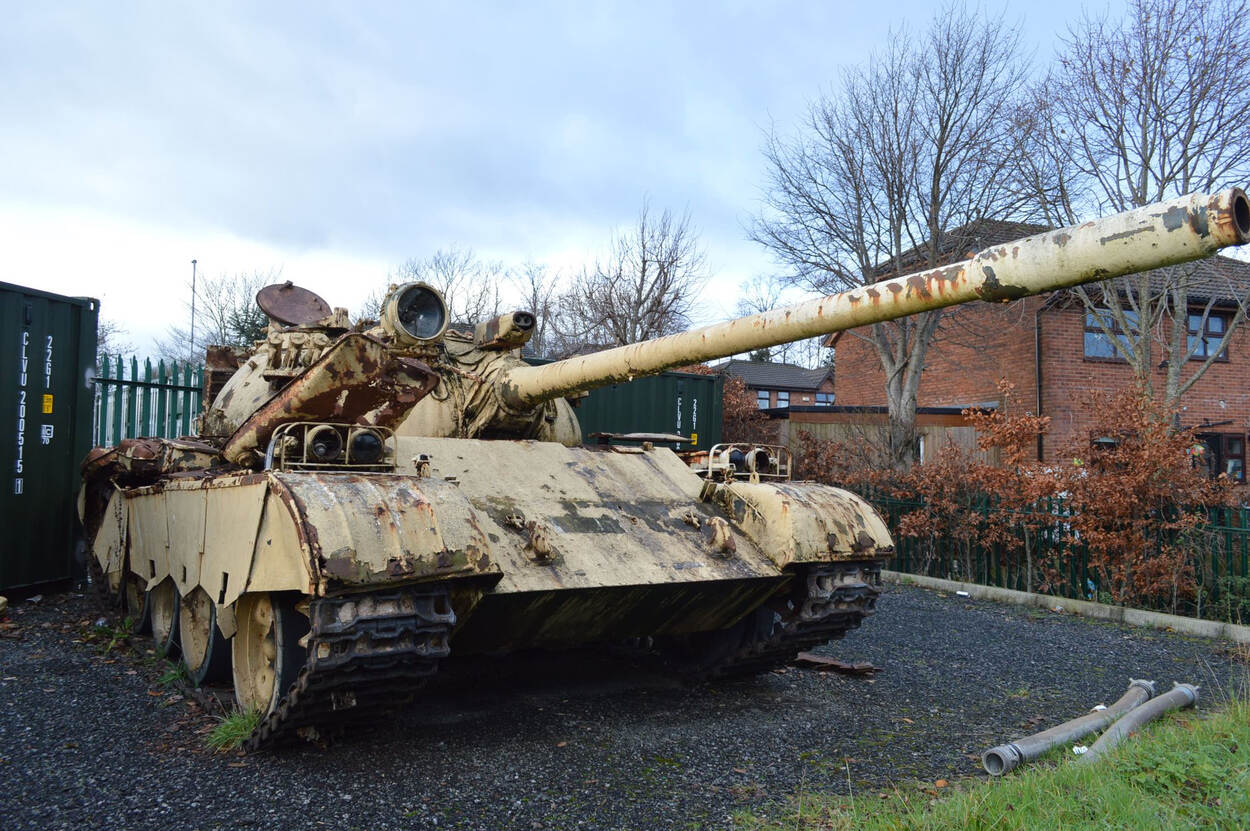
pixel 932 437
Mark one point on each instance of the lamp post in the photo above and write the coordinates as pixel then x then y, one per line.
pixel 193 307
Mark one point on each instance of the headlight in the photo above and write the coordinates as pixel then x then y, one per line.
pixel 415 313
pixel 364 447
pixel 324 443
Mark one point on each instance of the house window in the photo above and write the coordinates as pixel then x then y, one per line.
pixel 761 399
pixel 783 399
pixel 1098 344
pixel 1205 336
pixel 1224 453
pixel 824 399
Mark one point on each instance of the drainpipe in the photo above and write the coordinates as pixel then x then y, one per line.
pixel 1006 757
pixel 1181 695
pixel 1037 361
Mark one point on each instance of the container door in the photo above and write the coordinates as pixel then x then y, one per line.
pixel 47 346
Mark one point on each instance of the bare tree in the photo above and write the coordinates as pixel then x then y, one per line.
pixel 911 148
pixel 225 313
pixel 644 288
pixel 1141 109
pixel 470 286
pixel 759 294
pixel 536 284
pixel 111 338
pixel 763 293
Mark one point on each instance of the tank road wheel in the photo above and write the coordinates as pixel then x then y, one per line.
pixel 266 647
pixel 205 651
pixel 163 612
pixel 135 603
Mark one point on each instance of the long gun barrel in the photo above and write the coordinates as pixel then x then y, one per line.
pixel 1154 236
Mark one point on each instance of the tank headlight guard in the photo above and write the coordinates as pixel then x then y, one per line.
pixel 415 314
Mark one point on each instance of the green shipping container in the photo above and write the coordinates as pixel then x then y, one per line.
pixel 673 402
pixel 47 368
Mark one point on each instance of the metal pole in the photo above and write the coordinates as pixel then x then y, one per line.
pixel 193 307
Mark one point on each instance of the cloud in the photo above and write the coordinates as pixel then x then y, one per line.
pixel 299 133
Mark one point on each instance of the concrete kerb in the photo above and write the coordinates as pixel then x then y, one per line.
pixel 1085 608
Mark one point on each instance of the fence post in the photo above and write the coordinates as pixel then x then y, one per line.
pixel 1228 542
pixel 132 399
pixel 1241 524
pixel 183 423
pixel 197 396
pixel 145 400
pixel 162 400
pixel 101 391
pixel 117 403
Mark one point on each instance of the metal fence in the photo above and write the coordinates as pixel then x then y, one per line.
pixel 149 400
pixel 1219 553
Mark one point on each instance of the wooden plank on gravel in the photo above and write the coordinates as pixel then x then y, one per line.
pixel 814 661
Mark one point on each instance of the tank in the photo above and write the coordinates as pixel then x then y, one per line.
pixel 361 503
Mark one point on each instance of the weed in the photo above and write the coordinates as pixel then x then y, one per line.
pixel 1238 652
pixel 175 672
pixel 232 729
pixel 109 636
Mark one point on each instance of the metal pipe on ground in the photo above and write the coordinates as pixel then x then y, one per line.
pixel 1006 757
pixel 1179 697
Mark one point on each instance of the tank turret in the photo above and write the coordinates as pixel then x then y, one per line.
pixel 415 374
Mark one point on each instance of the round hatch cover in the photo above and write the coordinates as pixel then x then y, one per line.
pixel 291 305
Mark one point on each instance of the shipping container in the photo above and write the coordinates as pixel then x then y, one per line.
pixel 47 369
pixel 674 402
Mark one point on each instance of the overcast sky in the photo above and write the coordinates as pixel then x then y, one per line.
pixel 334 142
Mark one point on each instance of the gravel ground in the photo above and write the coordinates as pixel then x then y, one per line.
pixel 89 739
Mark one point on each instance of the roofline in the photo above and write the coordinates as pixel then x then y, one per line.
pixel 872 409
pixel 784 388
pixel 88 303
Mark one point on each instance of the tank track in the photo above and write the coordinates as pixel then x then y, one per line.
pixel 366 653
pixel 828 600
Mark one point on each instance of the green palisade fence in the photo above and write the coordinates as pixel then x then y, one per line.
pixel 161 399
pixel 1219 556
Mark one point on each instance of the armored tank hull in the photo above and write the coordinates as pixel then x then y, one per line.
pixel 360 505
pixel 482 546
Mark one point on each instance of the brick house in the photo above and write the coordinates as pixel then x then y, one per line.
pixel 1056 355
pixel 777 385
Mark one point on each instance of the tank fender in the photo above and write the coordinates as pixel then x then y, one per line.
pixel 359 530
pixel 224 535
pixel 110 543
pixel 803 522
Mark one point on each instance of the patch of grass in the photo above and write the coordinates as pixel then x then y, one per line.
pixel 108 636
pixel 232 729
pixel 174 672
pixel 1239 652
pixel 1188 771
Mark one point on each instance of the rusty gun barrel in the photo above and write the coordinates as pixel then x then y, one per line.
pixel 1165 233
